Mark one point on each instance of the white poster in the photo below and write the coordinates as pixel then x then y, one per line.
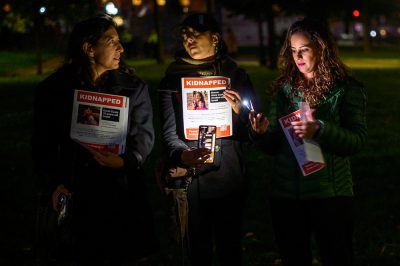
pixel 100 121
pixel 307 152
pixel 203 103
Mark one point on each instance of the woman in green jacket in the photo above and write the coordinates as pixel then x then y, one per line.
pixel 315 201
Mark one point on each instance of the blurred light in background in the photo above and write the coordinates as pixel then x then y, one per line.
pixel 111 9
pixel 42 10
pixel 118 20
pixel 7 8
pixel 161 2
pixel 372 33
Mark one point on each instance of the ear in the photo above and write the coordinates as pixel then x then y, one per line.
pixel 88 49
pixel 216 37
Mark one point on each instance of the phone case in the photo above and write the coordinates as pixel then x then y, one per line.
pixel 207 140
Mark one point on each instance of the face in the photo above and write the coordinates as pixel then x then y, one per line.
pixel 197 96
pixel 107 52
pixel 304 54
pixel 199 45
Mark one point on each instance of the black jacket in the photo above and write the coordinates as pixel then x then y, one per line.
pixel 56 156
pixel 228 173
pixel 110 209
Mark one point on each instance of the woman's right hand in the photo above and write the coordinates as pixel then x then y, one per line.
pixel 195 156
pixel 259 123
pixel 55 196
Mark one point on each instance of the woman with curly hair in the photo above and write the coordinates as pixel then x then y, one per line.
pixel 318 205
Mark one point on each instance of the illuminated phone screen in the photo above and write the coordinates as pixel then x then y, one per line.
pixel 207 140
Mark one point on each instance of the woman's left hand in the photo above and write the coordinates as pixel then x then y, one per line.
pixel 306 129
pixel 234 99
pixel 109 159
pixel 106 158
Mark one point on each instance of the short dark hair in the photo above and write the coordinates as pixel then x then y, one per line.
pixel 201 22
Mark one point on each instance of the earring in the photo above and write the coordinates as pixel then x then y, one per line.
pixel 91 54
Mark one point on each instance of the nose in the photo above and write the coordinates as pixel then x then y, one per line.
pixel 120 48
pixel 187 38
pixel 298 54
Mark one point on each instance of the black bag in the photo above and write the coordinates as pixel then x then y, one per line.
pixel 54 239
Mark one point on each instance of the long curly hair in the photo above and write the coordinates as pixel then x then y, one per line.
pixel 329 68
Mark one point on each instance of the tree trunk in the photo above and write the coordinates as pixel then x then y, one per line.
pixel 272 50
pixel 37 25
pixel 160 46
pixel 366 29
pixel 261 43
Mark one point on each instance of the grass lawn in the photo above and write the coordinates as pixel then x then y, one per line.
pixel 377 235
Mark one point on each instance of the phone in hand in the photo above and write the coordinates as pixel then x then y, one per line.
pixel 63 206
pixel 207 140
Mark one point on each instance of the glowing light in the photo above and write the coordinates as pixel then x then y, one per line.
pixel 161 2
pixel 383 32
pixel 111 9
pixel 7 8
pixel 42 10
pixel 118 20
pixel 356 13
pixel 185 2
pixel 372 33
pixel 136 2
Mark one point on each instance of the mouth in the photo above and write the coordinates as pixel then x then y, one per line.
pixel 301 64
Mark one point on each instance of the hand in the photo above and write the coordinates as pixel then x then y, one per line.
pixel 234 99
pixel 306 129
pixel 108 159
pixel 54 197
pixel 195 157
pixel 259 123
pixel 177 172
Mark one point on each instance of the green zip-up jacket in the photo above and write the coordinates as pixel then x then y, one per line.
pixel 342 134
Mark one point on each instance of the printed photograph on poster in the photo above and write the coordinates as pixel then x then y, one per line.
pixel 197 100
pixel 88 115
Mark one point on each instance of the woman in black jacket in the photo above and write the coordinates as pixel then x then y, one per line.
pixel 216 193
pixel 111 219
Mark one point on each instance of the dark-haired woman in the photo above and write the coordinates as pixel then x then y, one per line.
pixel 319 204
pixel 216 193
pixel 111 219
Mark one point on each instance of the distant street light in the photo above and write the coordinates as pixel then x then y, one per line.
pixel 161 2
pixel 42 10
pixel 111 9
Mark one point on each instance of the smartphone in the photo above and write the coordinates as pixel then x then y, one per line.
pixel 207 140
pixel 63 207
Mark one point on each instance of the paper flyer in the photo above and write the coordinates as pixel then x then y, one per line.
pixel 204 104
pixel 307 152
pixel 100 121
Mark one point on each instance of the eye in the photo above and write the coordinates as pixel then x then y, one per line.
pixel 305 50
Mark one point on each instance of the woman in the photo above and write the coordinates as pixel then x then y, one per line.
pixel 320 203
pixel 108 190
pixel 199 103
pixel 216 193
